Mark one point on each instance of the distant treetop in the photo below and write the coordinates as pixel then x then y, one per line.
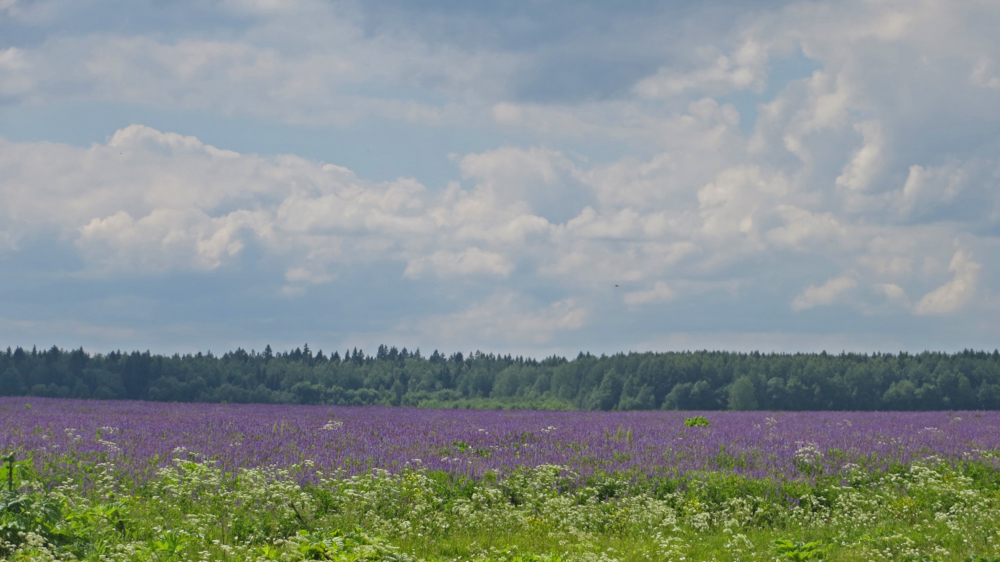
pixel 698 380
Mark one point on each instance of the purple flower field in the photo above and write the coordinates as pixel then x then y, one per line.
pixel 139 436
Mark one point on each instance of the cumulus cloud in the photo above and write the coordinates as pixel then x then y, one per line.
pixel 865 163
pixel 472 261
pixel 154 200
pixel 707 165
pixel 658 294
pixel 825 294
pixel 955 293
pixel 730 204
pixel 164 239
pixel 929 188
pixel 894 294
pixel 804 230
pixel 161 201
pixel 506 317
pixel 543 179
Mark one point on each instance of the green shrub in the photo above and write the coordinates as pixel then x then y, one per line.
pixel 697 421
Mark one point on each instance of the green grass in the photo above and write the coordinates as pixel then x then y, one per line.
pixel 191 511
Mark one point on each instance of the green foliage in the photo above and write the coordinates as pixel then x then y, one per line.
pixel 701 380
pixel 351 546
pixel 12 470
pixel 192 511
pixel 171 544
pixel 742 395
pixel 697 421
pixel 22 513
pixel 28 513
pixel 785 549
pixel 514 555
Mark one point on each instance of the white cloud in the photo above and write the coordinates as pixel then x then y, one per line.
pixel 744 69
pixel 503 317
pixel 927 189
pixel 542 178
pixel 867 161
pixel 472 261
pixel 980 75
pixel 888 266
pixel 154 201
pixel 874 161
pixel 894 294
pixel 164 239
pixel 658 294
pixel 805 231
pixel 280 78
pixel 733 204
pixel 825 294
pixel 306 275
pixel 955 293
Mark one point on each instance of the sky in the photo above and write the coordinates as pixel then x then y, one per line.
pixel 538 177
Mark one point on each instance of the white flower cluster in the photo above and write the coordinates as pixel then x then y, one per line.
pixel 808 453
pixel 333 425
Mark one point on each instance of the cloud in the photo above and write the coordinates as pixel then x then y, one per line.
pixel 745 68
pixel 980 75
pixel 503 317
pixel 955 293
pixel 894 294
pixel 156 201
pixel 280 79
pixel 927 190
pixel 472 261
pixel 166 238
pixel 658 294
pixel 804 230
pixel 734 204
pixel 866 162
pixel 542 178
pixel 825 294
pixel 703 158
pixel 305 275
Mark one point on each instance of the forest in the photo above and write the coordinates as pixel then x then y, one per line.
pixel 695 380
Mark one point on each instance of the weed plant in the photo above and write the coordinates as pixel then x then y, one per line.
pixel 696 421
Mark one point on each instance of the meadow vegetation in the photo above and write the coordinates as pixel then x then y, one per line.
pixel 118 481
pixel 191 510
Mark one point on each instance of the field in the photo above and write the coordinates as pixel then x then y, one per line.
pixel 153 481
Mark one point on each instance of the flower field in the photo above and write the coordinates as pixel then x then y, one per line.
pixel 139 436
pixel 154 481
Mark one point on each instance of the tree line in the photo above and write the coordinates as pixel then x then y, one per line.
pixel 698 380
